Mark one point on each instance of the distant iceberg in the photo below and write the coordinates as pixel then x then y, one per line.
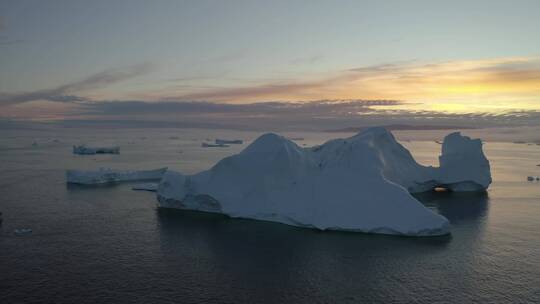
pixel 228 141
pixel 207 145
pixel 105 175
pixel 361 183
pixel 23 231
pixel 152 187
pixel 85 150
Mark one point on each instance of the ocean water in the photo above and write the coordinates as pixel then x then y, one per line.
pixel 110 244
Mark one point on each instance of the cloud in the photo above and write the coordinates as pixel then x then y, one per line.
pixel 476 92
pixel 313 115
pixel 250 92
pixel 305 115
pixel 500 82
pixel 64 93
pixel 4 39
pixel 294 109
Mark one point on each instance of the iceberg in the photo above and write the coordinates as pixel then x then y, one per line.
pixel 152 187
pixel 207 145
pixel 84 150
pixel 23 231
pixel 362 183
pixel 106 175
pixel 228 142
pixel 463 166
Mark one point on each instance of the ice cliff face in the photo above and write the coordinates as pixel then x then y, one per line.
pixel 361 183
pixel 463 165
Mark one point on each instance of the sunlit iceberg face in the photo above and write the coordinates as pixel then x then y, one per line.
pixel 361 183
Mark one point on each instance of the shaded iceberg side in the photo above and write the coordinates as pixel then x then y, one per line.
pixel 337 186
pixel 463 165
pixel 105 175
pixel 85 150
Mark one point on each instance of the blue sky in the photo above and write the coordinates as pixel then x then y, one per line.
pixel 252 51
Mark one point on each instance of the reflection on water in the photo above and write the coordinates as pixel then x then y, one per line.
pixel 457 207
pixel 291 264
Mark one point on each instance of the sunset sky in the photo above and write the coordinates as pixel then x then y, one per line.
pixel 60 58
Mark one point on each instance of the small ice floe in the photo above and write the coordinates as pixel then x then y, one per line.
pixel 23 231
pixel 533 178
pixel 85 150
pixel 228 141
pixel 296 138
pixel 152 187
pixel 105 176
pixel 207 145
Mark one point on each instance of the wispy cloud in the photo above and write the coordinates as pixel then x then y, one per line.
pixel 480 91
pixel 266 91
pixel 487 83
pixel 5 40
pixel 67 92
pixel 294 109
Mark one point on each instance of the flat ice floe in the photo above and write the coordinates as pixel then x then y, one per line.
pixel 228 141
pixel 361 183
pixel 85 150
pixel 106 175
pixel 207 145
pixel 152 187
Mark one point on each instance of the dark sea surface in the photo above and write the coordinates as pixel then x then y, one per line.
pixel 109 244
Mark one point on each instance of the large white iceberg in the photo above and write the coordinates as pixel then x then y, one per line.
pixel 85 150
pixel 361 183
pixel 105 176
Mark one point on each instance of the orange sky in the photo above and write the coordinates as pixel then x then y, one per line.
pixel 483 85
